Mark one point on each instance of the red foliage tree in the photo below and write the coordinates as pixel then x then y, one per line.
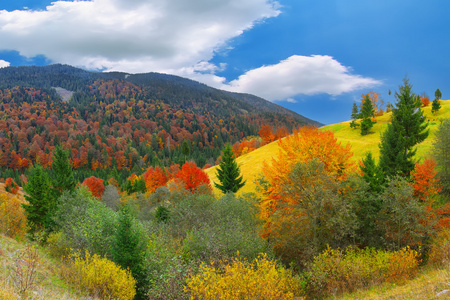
pixel 154 178
pixel 425 181
pixel 192 177
pixel 95 185
pixel 266 134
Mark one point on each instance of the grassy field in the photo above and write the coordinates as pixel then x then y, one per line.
pixel 251 163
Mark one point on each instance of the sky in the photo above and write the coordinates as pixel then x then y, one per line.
pixel 315 57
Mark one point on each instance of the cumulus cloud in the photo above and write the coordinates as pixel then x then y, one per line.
pixel 307 75
pixel 4 63
pixel 168 36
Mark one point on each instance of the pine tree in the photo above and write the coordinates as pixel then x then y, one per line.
pixel 41 206
pixel 367 113
pixel 228 172
pixel 371 173
pixel 354 116
pixel 63 175
pixel 436 105
pixel 129 250
pixel 406 129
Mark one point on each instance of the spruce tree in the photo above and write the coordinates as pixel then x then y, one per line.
pixel 367 113
pixel 228 172
pixel 63 175
pixel 436 105
pixel 41 206
pixel 129 250
pixel 354 115
pixel 371 173
pixel 406 129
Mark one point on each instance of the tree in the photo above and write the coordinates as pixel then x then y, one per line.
pixel 95 185
pixel 129 250
pixel 185 149
pixel 372 173
pixel 367 113
pixel 41 206
pixel 354 116
pixel 436 105
pixel 154 178
pixel 406 129
pixel 63 175
pixel 424 180
pixel 266 134
pixel 441 153
pixel 192 177
pixel 228 172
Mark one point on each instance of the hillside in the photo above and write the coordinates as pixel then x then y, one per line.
pixel 251 163
pixel 119 121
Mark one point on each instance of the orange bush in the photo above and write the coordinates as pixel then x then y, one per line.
pixel 11 186
pixel 425 101
pixel 13 221
pixel 95 185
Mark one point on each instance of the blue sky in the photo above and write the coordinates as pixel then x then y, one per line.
pixel 315 57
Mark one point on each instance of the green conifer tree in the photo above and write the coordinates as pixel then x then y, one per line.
pixel 354 116
pixel 129 250
pixel 371 173
pixel 436 105
pixel 367 113
pixel 228 172
pixel 406 129
pixel 63 175
pixel 41 206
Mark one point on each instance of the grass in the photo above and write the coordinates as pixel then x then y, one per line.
pixel 251 163
pixel 48 284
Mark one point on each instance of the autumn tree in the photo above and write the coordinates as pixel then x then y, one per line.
pixel 376 101
pixel 95 186
pixel 305 144
pixel 425 181
pixel 266 134
pixel 367 113
pixel 154 178
pixel 228 173
pixel 11 186
pixel 192 177
pixel 424 99
pixel 406 129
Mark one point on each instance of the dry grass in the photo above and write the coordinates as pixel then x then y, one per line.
pixel 251 163
pixel 47 284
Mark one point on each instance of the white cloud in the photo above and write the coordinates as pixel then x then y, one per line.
pixel 307 75
pixel 291 100
pixel 132 36
pixel 4 63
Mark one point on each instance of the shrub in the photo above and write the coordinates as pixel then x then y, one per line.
pixel 440 249
pixel 24 270
pixel 261 279
pixel 111 197
pixel 13 221
pixel 11 186
pixel 99 277
pixel 335 271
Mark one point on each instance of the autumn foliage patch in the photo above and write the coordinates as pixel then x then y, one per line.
pixel 95 185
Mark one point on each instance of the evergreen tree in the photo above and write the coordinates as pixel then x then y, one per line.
pixel 185 149
pixel 441 153
pixel 129 250
pixel 371 173
pixel 63 175
pixel 436 105
pixel 367 113
pixel 228 172
pixel 354 115
pixel 406 129
pixel 41 206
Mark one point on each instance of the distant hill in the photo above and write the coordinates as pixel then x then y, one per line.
pixel 122 122
pixel 251 163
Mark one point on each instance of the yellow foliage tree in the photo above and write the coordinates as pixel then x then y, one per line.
pixel 13 221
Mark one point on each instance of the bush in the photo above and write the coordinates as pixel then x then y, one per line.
pixel 111 197
pixel 11 186
pixel 335 271
pixel 261 279
pixel 99 277
pixel 440 249
pixel 86 223
pixel 13 222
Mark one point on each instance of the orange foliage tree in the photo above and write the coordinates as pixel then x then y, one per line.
pixel 425 99
pixel 425 183
pixel 154 178
pixel 304 145
pixel 266 134
pixel 192 177
pixel 377 102
pixel 11 186
pixel 95 185
pixel 13 221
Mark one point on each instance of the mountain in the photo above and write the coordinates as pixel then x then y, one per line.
pixel 251 163
pixel 122 122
